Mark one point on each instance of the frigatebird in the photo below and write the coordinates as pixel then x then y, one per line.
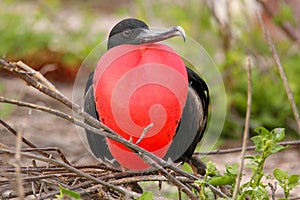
pixel 191 127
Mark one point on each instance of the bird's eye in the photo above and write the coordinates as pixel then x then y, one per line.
pixel 127 32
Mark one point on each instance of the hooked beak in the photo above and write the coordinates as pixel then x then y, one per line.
pixel 149 36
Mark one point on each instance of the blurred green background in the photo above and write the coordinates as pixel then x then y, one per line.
pixel 62 33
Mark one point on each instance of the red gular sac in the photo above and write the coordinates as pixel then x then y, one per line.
pixel 140 87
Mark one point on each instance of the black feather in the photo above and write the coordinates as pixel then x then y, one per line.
pixel 193 120
pixel 97 143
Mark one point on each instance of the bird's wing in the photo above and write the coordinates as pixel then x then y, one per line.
pixel 193 120
pixel 97 143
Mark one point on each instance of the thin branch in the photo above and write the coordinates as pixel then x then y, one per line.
pixel 73 188
pixel 174 180
pixel 31 80
pixel 287 28
pixel 87 168
pixel 72 169
pixel 217 191
pixel 281 70
pixel 146 178
pixel 37 107
pixel 56 149
pixel 273 189
pixel 238 149
pixel 40 177
pixel 144 133
pixel 19 181
pixel 91 189
pixel 37 75
pixel 24 140
pixel 246 131
pixel 295 198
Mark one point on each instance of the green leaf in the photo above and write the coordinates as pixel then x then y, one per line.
pixel 280 175
pixel 279 134
pixel 261 131
pixel 207 194
pixel 249 157
pixel 232 169
pixel 258 142
pixel 146 196
pixel 65 192
pixel 221 180
pixel 252 166
pixel 293 181
pixel 186 167
pixel 200 182
pixel 211 168
pixel 260 193
pixel 278 148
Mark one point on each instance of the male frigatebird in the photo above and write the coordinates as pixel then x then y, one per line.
pixel 187 131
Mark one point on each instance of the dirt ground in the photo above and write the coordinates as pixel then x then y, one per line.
pixel 45 130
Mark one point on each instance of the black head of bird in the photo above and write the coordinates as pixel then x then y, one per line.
pixel 134 31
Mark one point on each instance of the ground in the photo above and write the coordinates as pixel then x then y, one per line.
pixel 45 130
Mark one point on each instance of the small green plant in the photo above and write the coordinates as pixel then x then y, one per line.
pixel 267 143
pixel 146 196
pixel 228 178
pixel 211 170
pixel 287 182
pixel 69 193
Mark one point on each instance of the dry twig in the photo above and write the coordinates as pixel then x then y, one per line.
pixel 248 148
pixel 281 70
pixel 24 140
pixel 19 181
pixel 72 169
pixel 246 131
pixel 288 29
